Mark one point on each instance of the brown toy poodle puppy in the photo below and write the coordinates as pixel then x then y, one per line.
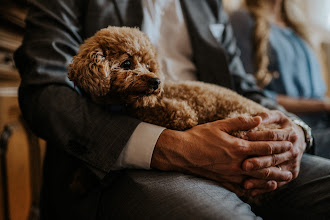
pixel 118 65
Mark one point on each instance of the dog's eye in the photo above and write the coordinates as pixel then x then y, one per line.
pixel 127 65
pixel 147 66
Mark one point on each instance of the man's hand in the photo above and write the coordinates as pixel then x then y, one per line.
pixel 208 150
pixel 289 132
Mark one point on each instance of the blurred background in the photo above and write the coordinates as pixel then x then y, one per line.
pixel 316 13
pixel 20 174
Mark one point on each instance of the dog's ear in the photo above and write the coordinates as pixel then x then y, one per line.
pixel 90 71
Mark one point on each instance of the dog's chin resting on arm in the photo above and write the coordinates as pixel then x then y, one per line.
pixel 118 65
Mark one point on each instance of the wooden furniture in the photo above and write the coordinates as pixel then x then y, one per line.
pixel 18 193
pixel 20 150
pixel 21 154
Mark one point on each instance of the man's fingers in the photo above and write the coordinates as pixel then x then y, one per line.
pixel 260 184
pixel 240 123
pixel 269 188
pixel 272 117
pixel 280 184
pixel 271 173
pixel 272 135
pixel 257 163
pixel 262 148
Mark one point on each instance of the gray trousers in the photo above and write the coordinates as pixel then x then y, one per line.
pixel 138 194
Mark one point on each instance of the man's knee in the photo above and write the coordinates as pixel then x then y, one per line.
pixel 152 194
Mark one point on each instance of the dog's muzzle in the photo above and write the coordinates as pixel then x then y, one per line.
pixel 154 83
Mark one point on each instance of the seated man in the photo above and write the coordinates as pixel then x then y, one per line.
pixel 97 164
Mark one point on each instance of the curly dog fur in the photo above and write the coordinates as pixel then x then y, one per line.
pixel 118 65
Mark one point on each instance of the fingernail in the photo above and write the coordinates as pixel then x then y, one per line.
pixel 248 166
pixel 289 176
pixel 272 184
pixel 257 119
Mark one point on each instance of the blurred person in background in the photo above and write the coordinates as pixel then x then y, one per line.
pixel 277 50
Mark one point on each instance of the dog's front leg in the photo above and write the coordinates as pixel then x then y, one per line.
pixel 169 113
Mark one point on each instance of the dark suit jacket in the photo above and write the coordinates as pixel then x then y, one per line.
pixel 79 133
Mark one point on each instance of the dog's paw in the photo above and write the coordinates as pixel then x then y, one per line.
pixel 242 134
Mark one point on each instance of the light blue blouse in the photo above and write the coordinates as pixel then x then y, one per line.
pixel 300 72
pixel 290 56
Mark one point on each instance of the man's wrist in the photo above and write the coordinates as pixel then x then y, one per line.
pixel 307 131
pixel 167 151
pixel 158 160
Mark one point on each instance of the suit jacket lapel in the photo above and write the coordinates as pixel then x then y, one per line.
pixel 210 58
pixel 127 8
pixel 199 16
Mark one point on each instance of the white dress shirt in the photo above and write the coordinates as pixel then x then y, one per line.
pixel 164 23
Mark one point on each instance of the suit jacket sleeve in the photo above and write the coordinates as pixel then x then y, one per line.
pixel 49 102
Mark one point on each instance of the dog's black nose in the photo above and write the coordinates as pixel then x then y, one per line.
pixel 154 83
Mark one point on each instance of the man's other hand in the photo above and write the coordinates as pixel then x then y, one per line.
pixel 208 150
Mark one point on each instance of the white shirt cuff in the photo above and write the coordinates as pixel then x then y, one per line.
pixel 138 151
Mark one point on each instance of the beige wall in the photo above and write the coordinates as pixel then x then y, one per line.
pixel 318 15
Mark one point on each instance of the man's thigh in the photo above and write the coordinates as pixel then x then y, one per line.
pixel 307 197
pixel 168 195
